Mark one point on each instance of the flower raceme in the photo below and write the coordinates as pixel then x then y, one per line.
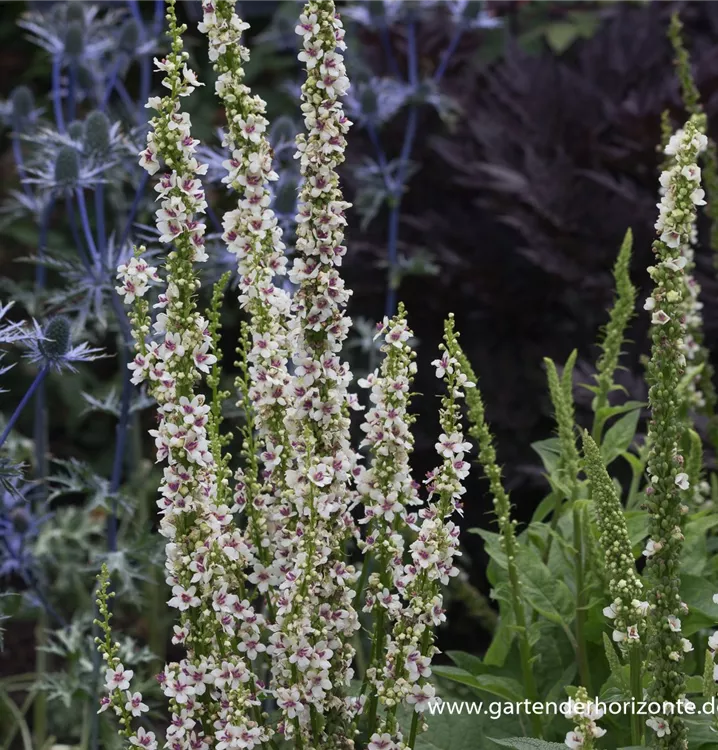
pixel 258 569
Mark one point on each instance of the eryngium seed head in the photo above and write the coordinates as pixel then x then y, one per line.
pixel 368 101
pixel 75 12
pixel 58 337
pixel 97 133
pixel 75 39
pixel 23 102
pixel 129 36
pixel 67 166
pixel 76 130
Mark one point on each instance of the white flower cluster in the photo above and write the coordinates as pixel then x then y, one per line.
pixel 691 305
pixel 276 596
pixel 409 647
pixel 586 714
pixel 205 552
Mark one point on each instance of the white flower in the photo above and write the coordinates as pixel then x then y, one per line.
pixel 687 645
pixel 682 481
pixel 118 678
pixel 660 318
pixel 610 611
pixel 698 197
pixel 652 548
pixel 134 704
pixel 674 623
pixel 143 738
pixel 649 304
pixel 574 740
pixel 381 742
pixel 659 726
pixel 421 696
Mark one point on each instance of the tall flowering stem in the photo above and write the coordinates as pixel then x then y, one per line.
pixel 701 394
pixel 667 481
pixel 621 312
pixel 316 619
pixel 410 645
pixel 627 608
pixel 479 430
pixel 253 235
pixel 207 555
pixel 387 490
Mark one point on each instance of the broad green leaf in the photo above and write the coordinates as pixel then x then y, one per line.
pixel 697 592
pixel 503 687
pixel 528 743
pixel 613 662
pixel 469 662
pixel 500 645
pixel 549 451
pixel 619 436
pixel 546 506
pixel 606 412
pixel 637 522
pixel 492 542
pixel 548 596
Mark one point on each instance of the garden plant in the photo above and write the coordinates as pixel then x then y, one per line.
pixel 273 572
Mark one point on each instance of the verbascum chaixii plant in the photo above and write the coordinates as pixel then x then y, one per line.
pixel 307 572
pixel 668 481
pixel 261 565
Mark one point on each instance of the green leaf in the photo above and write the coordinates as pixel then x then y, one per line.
pixel 697 592
pixel 528 743
pixel 468 662
pixel 549 451
pixel 619 436
pixel 548 596
pixel 492 542
pixel 606 412
pixel 504 687
pixel 500 646
pixel 637 522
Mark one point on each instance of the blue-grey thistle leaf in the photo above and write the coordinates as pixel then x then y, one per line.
pixel 97 133
pixel 58 337
pixel 129 36
pixel 23 102
pixel 75 40
pixel 67 166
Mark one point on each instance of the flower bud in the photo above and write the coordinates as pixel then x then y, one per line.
pixel 67 166
pixel 75 130
pixel 57 333
pixel 97 133
pixel 129 36
pixel 75 40
pixel 75 12
pixel 23 102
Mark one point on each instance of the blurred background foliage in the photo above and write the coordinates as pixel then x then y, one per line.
pixel 533 148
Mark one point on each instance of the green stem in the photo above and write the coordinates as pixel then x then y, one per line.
pixel 39 713
pixel 524 650
pixel 637 695
pixel 583 668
